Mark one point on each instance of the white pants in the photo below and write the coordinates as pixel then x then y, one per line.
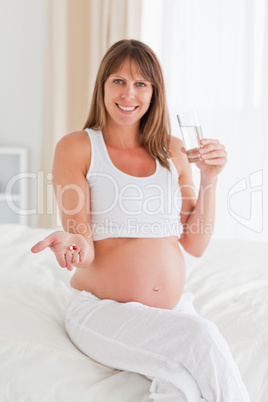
pixel 183 354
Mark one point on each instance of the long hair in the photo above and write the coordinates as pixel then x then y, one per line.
pixel 155 124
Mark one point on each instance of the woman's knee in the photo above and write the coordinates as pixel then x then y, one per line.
pixel 205 327
pixel 201 334
pixel 205 342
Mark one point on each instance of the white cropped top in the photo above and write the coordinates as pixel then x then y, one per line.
pixel 122 205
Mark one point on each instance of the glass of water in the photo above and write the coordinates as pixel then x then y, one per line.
pixel 191 134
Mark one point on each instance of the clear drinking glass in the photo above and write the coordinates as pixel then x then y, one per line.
pixel 191 134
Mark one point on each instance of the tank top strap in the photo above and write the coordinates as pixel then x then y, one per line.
pixel 97 152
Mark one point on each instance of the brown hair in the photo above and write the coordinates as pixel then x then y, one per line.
pixel 155 124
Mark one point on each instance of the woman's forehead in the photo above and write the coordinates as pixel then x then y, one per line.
pixel 130 66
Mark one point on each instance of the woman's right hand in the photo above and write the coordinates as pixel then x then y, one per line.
pixel 59 242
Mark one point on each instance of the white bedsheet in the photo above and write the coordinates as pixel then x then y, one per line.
pixel 38 362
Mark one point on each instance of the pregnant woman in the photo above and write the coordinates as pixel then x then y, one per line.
pixel 127 203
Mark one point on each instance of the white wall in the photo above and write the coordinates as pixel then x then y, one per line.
pixel 214 59
pixel 22 33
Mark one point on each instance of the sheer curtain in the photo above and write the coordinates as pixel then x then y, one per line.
pixel 214 57
pixel 78 35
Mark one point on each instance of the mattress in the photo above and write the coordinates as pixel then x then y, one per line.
pixel 39 363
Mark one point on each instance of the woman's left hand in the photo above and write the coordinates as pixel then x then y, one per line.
pixel 214 158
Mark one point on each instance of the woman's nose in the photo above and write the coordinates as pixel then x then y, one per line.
pixel 128 92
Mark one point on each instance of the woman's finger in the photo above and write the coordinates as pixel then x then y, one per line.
pixel 206 141
pixel 42 244
pixel 69 260
pixel 215 161
pixel 211 147
pixel 60 257
pixel 219 153
pixel 75 258
pixel 38 247
pixel 82 255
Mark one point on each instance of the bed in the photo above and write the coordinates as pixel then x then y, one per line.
pixel 39 363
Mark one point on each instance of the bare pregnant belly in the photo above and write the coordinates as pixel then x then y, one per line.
pixel 148 271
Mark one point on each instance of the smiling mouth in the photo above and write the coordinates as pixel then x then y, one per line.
pixel 127 108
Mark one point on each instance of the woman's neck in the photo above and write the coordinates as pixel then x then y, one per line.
pixel 122 136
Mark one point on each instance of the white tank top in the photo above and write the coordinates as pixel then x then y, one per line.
pixel 122 205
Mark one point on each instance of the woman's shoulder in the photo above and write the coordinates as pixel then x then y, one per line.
pixel 74 139
pixel 175 145
pixel 178 157
pixel 75 148
pixel 75 142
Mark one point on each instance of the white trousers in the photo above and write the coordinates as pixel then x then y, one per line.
pixel 183 354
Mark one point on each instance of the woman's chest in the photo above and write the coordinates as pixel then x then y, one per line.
pixel 137 163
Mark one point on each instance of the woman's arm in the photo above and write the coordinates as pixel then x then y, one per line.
pixel 198 213
pixel 71 163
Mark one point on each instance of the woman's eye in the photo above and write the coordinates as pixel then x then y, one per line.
pixel 141 84
pixel 117 81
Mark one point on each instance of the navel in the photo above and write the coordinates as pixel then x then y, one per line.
pixel 156 289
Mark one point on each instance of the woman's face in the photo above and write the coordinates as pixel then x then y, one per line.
pixel 127 96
